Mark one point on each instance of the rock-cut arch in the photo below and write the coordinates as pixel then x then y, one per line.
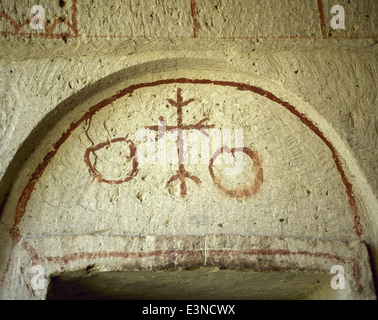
pixel 300 187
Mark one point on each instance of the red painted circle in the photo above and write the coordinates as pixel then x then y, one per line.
pixel 93 171
pixel 251 188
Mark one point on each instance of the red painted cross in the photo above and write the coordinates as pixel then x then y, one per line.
pixel 182 174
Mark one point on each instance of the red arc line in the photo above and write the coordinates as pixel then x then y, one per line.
pixel 25 196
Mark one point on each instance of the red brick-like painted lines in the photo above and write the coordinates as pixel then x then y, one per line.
pixel 73 25
pixel 48 34
pixel 16 26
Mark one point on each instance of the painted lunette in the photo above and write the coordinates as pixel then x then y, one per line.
pixel 26 194
pixel 24 198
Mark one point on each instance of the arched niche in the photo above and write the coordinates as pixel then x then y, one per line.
pixel 84 196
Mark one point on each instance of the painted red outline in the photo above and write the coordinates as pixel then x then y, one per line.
pixel 346 37
pixel 181 173
pixel 48 34
pixel 25 196
pixel 192 254
pixel 322 19
pixel 193 8
pixel 92 167
pixel 251 188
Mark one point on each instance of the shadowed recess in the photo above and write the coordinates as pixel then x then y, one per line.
pixel 204 283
